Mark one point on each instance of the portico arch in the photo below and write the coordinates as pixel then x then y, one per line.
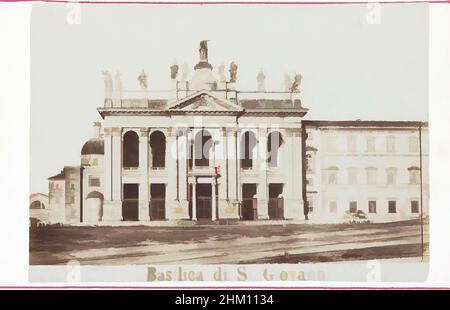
pixel 248 143
pixel 275 140
pixel 130 149
pixel 158 149
pixel 203 144
pixel 93 207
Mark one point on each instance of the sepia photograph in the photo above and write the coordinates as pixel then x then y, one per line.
pixel 226 145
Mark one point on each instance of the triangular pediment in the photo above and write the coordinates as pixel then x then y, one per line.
pixel 205 101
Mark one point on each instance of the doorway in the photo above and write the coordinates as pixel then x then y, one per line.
pixel 276 202
pixel 130 203
pixel 249 204
pixel 158 201
pixel 204 205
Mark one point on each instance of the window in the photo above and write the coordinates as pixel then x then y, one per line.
pixel 72 186
pixel 390 144
pixel 413 144
pixel 71 199
pixel 414 176
pixel 352 175
pixel 84 161
pixel 94 181
pixel 310 205
pixel 414 206
pixel 370 144
pixel 351 144
pixel 309 163
pixel 353 207
pixel 332 177
pixel 333 206
pixel 391 175
pixel 331 144
pixel 94 162
pixel 372 206
pixel 392 206
pixel 371 175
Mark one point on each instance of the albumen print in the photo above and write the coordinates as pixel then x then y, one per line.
pixel 229 142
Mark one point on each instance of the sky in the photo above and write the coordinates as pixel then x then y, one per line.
pixel 352 68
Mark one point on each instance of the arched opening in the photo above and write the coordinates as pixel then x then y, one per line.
pixel 158 149
pixel 248 143
pixel 93 207
pixel 276 201
pixel 202 148
pixel 130 150
pixel 275 140
pixel 130 202
pixel 37 205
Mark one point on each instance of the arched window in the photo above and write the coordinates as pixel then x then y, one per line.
pixel 248 143
pixel 158 149
pixel 130 150
pixel 275 140
pixel 202 148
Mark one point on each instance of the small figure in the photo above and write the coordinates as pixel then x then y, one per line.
pixel 142 78
pixel 203 50
pixel 296 83
pixel 287 82
pixel 119 85
pixel 260 78
pixel 233 72
pixel 221 70
pixel 108 83
pixel 174 71
pixel 185 72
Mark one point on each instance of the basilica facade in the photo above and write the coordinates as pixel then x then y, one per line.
pixel 206 151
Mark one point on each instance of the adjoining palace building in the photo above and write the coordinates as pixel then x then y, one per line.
pixel 208 151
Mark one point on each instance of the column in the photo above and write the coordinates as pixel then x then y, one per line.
pixel 144 214
pixel 233 203
pixel 213 201
pixel 262 187
pixel 183 152
pixel 194 199
pixel 117 164
pixel 112 205
pixel 222 180
pixel 172 174
pixel 107 165
pixel 292 192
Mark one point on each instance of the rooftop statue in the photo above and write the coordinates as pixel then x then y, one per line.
pixel 296 83
pixel 185 72
pixel 142 78
pixel 174 71
pixel 108 83
pixel 203 50
pixel 261 78
pixel 118 81
pixel 221 71
pixel 287 82
pixel 233 72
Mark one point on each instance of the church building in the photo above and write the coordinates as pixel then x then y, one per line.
pixel 206 151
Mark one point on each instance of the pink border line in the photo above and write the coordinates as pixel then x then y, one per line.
pixel 227 2
pixel 227 287
pixel 233 287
